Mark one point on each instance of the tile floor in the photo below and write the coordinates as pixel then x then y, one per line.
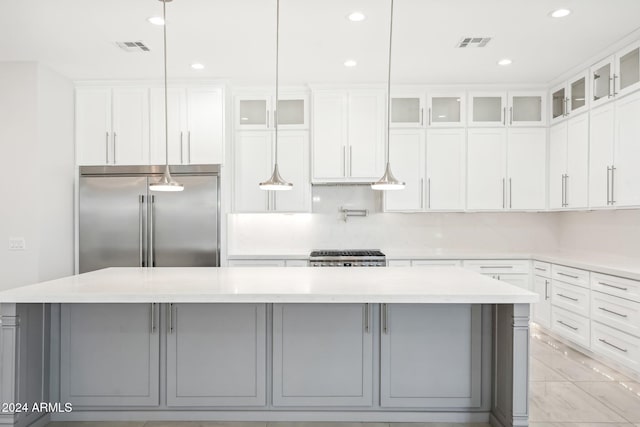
pixel 568 389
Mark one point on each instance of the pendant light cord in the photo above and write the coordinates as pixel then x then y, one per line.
pixel 275 115
pixel 389 86
pixel 166 103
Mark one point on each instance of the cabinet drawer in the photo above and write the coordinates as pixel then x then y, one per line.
pixel 503 266
pixel 617 345
pixel 570 275
pixel 435 263
pixel 616 312
pixel 570 325
pixel 625 288
pixel 399 263
pixel 570 297
pixel 542 269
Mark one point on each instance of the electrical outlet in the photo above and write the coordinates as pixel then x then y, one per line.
pixel 17 244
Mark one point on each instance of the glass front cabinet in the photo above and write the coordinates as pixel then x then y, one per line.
pixel 407 109
pixel 570 97
pixel 616 75
pixel 497 109
pixel 258 112
pixel 446 109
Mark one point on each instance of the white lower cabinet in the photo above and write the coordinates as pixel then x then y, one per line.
pixel 570 297
pixel 418 356
pixel 94 369
pixel 216 355
pixel 621 347
pixel 616 312
pixel 569 325
pixel 322 355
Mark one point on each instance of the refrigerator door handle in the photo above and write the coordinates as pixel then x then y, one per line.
pixel 151 249
pixel 141 229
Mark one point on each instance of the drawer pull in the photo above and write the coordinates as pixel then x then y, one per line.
pixel 567 275
pixel 564 296
pixel 612 286
pixel 611 345
pixel 612 312
pixel 540 269
pixel 568 326
pixel 496 266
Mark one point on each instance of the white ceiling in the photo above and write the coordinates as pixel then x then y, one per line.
pixel 235 39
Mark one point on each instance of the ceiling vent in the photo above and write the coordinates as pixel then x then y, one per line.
pixel 473 42
pixel 133 46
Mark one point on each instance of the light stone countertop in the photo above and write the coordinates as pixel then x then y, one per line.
pixel 445 285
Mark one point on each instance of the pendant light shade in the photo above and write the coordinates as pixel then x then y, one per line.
pixel 166 183
pixel 276 182
pixel 388 181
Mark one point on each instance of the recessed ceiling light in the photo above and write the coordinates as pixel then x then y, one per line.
pixel 156 20
pixel 356 16
pixel 197 66
pixel 560 13
pixel 505 61
pixel 350 63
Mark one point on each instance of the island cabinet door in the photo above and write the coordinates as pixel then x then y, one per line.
pixel 216 355
pixel 430 355
pixel 322 355
pixel 109 354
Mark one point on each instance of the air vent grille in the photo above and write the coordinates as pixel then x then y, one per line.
pixel 473 42
pixel 137 46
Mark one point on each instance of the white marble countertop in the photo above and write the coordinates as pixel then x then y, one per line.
pixel 273 285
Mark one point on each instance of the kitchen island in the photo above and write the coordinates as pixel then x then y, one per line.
pixel 271 344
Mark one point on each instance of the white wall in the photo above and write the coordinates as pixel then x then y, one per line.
pixel 36 139
pixel 607 233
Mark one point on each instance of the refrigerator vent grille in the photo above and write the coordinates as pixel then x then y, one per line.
pixel 137 46
pixel 473 42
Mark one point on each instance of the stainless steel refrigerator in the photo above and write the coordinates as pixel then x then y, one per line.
pixel 123 224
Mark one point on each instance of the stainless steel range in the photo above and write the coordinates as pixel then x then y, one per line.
pixel 347 258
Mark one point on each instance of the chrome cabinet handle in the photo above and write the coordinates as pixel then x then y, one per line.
pixel 429 193
pixel 151 249
pixel 610 95
pixel 612 312
pixel 421 193
pixel 567 325
pixel 566 297
pixel 608 186
pixel 189 147
pixel 613 185
pixel 429 117
pixel 614 85
pixel 366 318
pixel 567 275
pixel 540 269
pixel 510 115
pixel 612 286
pixel 510 195
pixel 504 116
pixel 181 149
pixel 562 192
pixel 612 345
pixel 350 160
pixel 422 117
pixel 546 290
pixel 153 317
pixel 114 147
pixel 503 194
pixel 566 190
pixel 170 319
pixel 385 321
pixel 106 146
pixel 140 229
pixel 593 87
pixel 344 160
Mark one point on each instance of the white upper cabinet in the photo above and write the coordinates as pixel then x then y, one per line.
pixel 515 109
pixel 196 126
pixel 446 109
pixel 253 163
pixel 486 169
pixel 407 109
pixel 527 108
pixel 601 137
pixel 487 109
pixel 628 68
pixel 112 126
pixel 569 163
pixel 602 89
pixel 570 97
pixel 446 169
pixel 348 135
pixel 257 111
pixel 506 169
pixel 407 153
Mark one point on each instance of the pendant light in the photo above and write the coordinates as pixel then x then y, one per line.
pixel 166 183
pixel 388 181
pixel 275 182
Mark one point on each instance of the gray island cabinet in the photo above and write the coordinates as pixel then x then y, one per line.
pixel 269 344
